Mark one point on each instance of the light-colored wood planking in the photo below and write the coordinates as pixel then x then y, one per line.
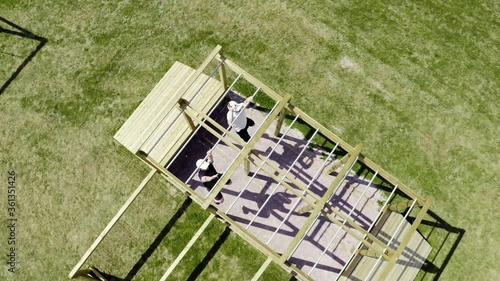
pixel 406 239
pixel 145 118
pixel 178 128
pixel 408 264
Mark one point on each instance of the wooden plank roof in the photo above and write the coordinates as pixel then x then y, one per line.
pixel 146 128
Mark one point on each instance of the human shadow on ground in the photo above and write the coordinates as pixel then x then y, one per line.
pixel 16 30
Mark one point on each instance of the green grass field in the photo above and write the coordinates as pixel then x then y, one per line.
pixel 417 82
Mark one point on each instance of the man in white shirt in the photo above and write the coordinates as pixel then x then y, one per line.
pixel 236 113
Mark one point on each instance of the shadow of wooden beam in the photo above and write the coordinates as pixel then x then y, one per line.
pixel 163 233
pixel 211 253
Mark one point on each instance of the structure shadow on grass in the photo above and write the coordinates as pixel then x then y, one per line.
pixel 210 254
pixel 21 32
pixel 163 233
pixel 448 239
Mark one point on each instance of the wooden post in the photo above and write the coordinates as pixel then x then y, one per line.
pixel 262 269
pixel 399 207
pixel 176 182
pixel 368 253
pixel 222 70
pixel 112 223
pixel 188 246
pixel 254 81
pixel 182 106
pixel 281 118
pixel 246 164
pixel 336 164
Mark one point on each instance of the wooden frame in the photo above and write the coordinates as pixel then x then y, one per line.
pixel 197 118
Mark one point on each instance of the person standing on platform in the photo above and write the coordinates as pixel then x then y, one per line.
pixel 209 175
pixel 236 113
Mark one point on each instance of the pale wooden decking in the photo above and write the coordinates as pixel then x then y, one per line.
pixel 159 109
pixel 410 261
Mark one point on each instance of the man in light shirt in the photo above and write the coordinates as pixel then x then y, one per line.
pixel 236 113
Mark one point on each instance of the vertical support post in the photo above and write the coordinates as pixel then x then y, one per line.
pixel 222 70
pixel 281 118
pixel 336 164
pixel 399 207
pixel 369 253
pixel 182 106
pixel 247 166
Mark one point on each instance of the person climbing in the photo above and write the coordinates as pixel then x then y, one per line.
pixel 209 175
pixel 236 113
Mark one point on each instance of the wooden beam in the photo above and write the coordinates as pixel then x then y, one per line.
pixel 259 245
pixel 406 239
pixel 281 118
pixel 283 183
pixel 237 139
pixel 247 149
pixel 399 207
pixel 213 55
pixel 190 81
pixel 246 164
pixel 319 206
pixel 176 182
pixel 369 163
pixel 322 129
pixel 358 228
pixel 393 180
pixel 215 123
pixel 222 70
pixel 378 249
pixel 369 253
pixel 262 269
pixel 182 107
pixel 188 246
pixel 112 223
pixel 234 67
pixel 289 177
pixel 336 164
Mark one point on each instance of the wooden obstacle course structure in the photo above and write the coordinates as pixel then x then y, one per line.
pixel 156 133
